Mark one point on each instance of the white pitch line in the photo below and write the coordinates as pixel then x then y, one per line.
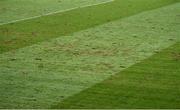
pixel 61 11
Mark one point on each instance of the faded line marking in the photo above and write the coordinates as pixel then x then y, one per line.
pixel 61 11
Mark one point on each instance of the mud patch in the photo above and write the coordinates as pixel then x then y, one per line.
pixel 176 56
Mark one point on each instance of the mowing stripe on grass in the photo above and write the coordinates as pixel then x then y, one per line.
pixel 44 74
pixel 55 12
pixel 25 33
pixel 153 83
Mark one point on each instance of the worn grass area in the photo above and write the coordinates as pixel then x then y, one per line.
pixel 25 33
pixel 12 10
pixel 153 83
pixel 44 74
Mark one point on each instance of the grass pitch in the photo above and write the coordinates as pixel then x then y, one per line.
pixel 69 59
pixel 17 10
pixel 153 83
pixel 18 35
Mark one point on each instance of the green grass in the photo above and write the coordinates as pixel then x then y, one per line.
pixel 25 33
pixel 44 74
pixel 153 83
pixel 11 10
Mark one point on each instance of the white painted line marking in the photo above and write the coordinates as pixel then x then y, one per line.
pixel 55 12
